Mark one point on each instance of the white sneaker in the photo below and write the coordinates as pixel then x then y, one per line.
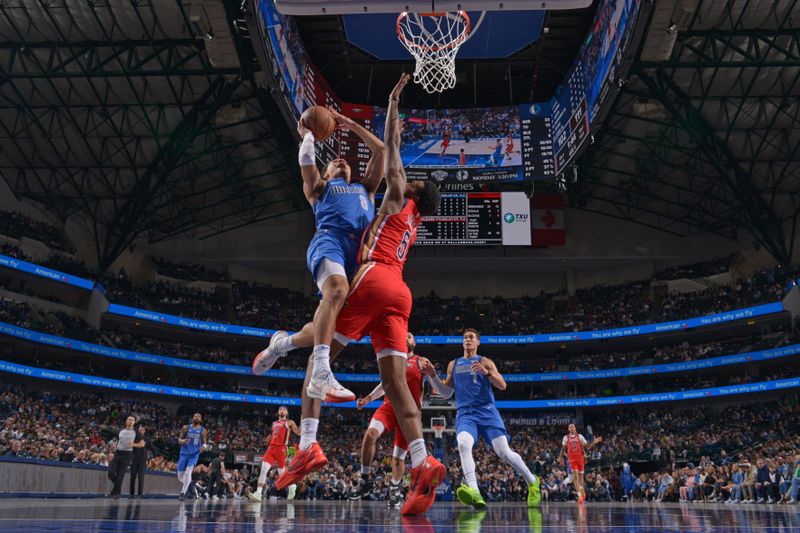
pixel 760 500
pixel 255 496
pixel 267 357
pixel 215 497
pixel 568 480
pixel 792 501
pixel 329 390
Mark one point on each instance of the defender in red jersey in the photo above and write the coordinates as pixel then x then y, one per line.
pixel 385 420
pixel 379 305
pixel 574 445
pixel 277 447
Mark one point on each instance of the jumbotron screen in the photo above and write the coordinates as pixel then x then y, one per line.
pixel 480 145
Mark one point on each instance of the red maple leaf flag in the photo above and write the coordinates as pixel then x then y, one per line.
pixel 548 220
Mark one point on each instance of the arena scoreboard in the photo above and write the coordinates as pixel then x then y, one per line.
pixel 477 145
pixel 476 219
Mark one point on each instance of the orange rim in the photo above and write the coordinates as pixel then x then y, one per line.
pixel 454 42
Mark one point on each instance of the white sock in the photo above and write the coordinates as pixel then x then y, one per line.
pixel 366 470
pixel 465 443
pixel 285 345
pixel 308 432
pixel 262 476
pixel 418 452
pixel 504 452
pixel 321 357
pixel 187 479
pixel 396 482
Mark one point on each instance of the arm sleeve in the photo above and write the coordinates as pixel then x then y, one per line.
pixel 445 391
pixel 306 156
pixel 377 392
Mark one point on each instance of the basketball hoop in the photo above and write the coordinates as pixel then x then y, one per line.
pixel 434 39
pixel 437 425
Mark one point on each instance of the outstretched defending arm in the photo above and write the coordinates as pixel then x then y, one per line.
pixel 443 390
pixel 394 200
pixel 374 173
pixel 376 393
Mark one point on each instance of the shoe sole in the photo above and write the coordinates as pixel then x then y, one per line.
pixel 418 508
pixel 258 360
pixel 471 501
pixel 329 398
pixel 292 478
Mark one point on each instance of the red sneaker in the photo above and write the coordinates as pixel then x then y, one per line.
pixel 424 480
pixel 303 463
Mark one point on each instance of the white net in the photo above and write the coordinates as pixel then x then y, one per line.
pixel 434 39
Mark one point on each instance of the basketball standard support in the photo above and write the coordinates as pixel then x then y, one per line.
pixel 350 7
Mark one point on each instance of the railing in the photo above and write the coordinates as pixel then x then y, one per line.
pixel 610 401
pixel 544 377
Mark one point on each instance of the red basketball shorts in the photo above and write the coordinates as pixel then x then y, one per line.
pixel 385 415
pixel 378 305
pixel 576 464
pixel 276 456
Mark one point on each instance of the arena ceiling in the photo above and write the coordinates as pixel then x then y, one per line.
pixel 147 116
pixel 704 136
pixel 530 75
pixel 152 117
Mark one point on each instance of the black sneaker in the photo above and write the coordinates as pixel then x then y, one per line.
pixel 395 496
pixel 181 496
pixel 365 487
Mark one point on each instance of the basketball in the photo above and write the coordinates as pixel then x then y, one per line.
pixel 320 121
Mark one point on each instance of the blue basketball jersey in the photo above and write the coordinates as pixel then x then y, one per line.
pixel 194 439
pixel 472 389
pixel 344 207
pixel 497 151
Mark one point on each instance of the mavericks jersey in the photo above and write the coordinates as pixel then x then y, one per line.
pixel 343 207
pixel 473 390
pixel 280 434
pixel 414 379
pixel 388 238
pixel 194 439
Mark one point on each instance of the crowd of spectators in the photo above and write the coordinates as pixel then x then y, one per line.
pixel 59 323
pixel 16 225
pixel 697 270
pixel 259 305
pixel 741 452
pixel 188 271
pixel 593 308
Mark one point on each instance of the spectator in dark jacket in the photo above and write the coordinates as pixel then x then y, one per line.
pixel 762 480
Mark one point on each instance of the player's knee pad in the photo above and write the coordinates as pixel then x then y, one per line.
pixel 378 426
pixel 465 442
pixel 399 453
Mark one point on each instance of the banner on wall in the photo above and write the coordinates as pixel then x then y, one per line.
pixel 44 272
pixel 253 399
pixel 578 375
pixel 516 208
pixel 548 220
pixel 534 338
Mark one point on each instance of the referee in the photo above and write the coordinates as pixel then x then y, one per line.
pixel 140 446
pixel 124 454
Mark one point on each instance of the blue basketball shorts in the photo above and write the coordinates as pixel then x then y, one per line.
pixel 187 461
pixel 338 247
pixel 481 421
